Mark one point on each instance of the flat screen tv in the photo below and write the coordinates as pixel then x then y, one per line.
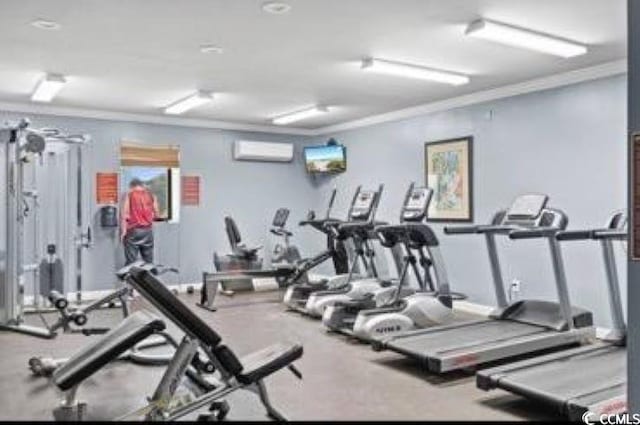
pixel 325 159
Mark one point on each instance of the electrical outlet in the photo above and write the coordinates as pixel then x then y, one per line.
pixel 516 285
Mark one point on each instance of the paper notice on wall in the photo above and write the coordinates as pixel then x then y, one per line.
pixel 106 188
pixel 190 190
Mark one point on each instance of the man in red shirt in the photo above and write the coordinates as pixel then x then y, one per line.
pixel 139 209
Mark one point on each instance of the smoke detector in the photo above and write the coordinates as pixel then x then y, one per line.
pixel 276 7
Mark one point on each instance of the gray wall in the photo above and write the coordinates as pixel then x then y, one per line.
pixel 565 142
pixel 250 191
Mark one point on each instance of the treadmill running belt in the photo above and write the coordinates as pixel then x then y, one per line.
pixel 581 380
pixel 469 336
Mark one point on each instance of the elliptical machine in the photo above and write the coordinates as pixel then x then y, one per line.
pixel 361 210
pixel 361 234
pixel 398 308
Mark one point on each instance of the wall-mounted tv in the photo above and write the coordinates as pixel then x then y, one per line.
pixel 325 159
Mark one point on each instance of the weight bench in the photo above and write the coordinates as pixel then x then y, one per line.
pixel 198 357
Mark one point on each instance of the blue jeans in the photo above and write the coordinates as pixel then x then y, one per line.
pixel 138 240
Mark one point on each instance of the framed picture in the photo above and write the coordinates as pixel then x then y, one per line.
pixel 448 169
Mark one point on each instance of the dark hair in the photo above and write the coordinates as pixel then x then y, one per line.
pixel 135 182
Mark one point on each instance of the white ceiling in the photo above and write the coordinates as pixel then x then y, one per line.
pixel 139 55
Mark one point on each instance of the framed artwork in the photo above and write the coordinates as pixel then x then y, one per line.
pixel 448 169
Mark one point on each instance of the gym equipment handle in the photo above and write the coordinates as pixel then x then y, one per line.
pixel 58 300
pixel 492 228
pixel 533 233
pixel 610 234
pixel 574 235
pixel 460 230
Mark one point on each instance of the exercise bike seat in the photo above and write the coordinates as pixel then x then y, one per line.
pixel 117 341
pixel 242 251
pixel 239 249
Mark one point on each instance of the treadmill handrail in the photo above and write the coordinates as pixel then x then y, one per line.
pixel 610 234
pixel 534 233
pixel 460 230
pixel 574 235
pixel 497 228
pixel 480 228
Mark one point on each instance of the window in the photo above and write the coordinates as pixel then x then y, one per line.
pixel 158 168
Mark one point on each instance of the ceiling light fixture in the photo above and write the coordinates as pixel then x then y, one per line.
pixel 193 101
pixel 44 24
pixel 399 69
pixel 48 87
pixel 211 48
pixel 300 115
pixel 524 38
pixel 276 7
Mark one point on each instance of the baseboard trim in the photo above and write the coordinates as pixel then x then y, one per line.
pixel 100 293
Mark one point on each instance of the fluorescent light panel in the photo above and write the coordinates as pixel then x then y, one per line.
pixel 48 87
pixel 399 69
pixel 523 38
pixel 195 100
pixel 300 115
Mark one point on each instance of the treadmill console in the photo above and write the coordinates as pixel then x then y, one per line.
pixel 527 206
pixel 526 209
pixel 531 211
pixel 363 205
pixel 416 205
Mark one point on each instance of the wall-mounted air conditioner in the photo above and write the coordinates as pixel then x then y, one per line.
pixel 248 150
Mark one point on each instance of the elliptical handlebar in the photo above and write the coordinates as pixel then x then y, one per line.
pixel 376 204
pixel 332 199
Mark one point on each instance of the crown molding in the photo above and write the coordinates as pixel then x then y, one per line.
pixel 603 70
pixel 63 111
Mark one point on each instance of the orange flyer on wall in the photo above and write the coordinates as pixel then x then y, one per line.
pixel 106 188
pixel 191 190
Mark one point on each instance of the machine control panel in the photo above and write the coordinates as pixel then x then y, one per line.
pixel 417 203
pixel 527 206
pixel 363 205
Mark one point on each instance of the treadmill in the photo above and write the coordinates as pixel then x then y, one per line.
pixel 512 329
pixel 585 379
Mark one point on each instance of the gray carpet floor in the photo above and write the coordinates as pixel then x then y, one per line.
pixel 343 379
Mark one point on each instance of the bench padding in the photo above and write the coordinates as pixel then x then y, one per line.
pixel 179 313
pixel 262 363
pixel 107 348
pixel 247 370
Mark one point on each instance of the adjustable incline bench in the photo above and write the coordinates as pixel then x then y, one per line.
pixel 199 355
